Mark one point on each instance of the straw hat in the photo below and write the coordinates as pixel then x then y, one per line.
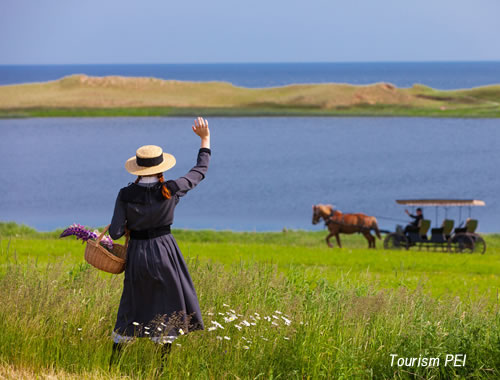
pixel 149 160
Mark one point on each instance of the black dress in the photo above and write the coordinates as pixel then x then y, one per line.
pixel 158 300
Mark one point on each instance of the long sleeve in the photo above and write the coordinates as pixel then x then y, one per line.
pixel 119 221
pixel 195 175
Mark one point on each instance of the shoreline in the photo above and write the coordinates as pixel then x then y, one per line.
pixel 115 96
pixel 23 113
pixel 15 229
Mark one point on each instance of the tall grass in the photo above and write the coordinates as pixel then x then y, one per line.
pixel 59 317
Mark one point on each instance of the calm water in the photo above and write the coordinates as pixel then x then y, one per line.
pixel 442 75
pixel 265 172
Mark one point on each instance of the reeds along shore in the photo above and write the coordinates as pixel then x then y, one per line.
pixel 80 95
pixel 274 305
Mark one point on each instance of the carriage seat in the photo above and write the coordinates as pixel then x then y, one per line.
pixel 425 224
pixel 421 234
pixel 442 234
pixel 470 227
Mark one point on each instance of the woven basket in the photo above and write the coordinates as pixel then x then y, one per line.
pixel 99 257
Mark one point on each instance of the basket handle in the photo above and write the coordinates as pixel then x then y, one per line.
pixel 127 235
pixel 103 233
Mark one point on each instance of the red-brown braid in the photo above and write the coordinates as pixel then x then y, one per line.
pixel 164 189
pixel 138 179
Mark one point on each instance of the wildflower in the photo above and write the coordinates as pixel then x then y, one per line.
pixel 238 327
pixel 147 328
pixel 244 338
pixel 178 344
pixel 220 313
pixel 264 339
pixel 275 317
pixel 227 338
pixel 85 234
pixel 274 323
pixel 217 324
pixel 163 324
pixel 245 322
pixel 230 318
pixel 287 321
pixel 246 347
pixel 210 313
pixel 147 333
pixel 212 328
pixel 135 323
pixel 79 329
pixel 278 312
pixel 267 318
pixel 159 328
pixel 253 323
pixel 219 337
pixel 257 314
pixel 232 311
pixel 181 331
pixel 286 338
pixel 225 305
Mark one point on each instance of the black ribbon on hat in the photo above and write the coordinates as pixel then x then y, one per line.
pixel 148 162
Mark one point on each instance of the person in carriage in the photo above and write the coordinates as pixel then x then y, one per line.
pixel 415 224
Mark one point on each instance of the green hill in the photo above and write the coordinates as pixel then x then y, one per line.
pixel 81 95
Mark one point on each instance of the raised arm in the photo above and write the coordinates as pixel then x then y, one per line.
pixel 197 173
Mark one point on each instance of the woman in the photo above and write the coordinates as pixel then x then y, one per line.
pixel 159 300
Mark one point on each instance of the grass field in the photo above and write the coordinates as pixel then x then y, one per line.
pixel 349 309
pixel 80 95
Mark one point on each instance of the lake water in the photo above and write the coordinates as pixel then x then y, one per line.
pixel 442 75
pixel 265 173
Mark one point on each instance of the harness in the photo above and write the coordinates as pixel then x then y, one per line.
pixel 329 220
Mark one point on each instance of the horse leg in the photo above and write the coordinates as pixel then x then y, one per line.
pixel 369 238
pixel 328 240
pixel 337 236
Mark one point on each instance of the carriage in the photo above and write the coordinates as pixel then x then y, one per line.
pixel 463 238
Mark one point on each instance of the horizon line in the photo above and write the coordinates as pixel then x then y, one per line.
pixel 247 63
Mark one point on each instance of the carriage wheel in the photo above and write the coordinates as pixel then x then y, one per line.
pixel 479 244
pixel 462 243
pixel 395 241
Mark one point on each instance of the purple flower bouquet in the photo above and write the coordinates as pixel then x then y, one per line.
pixel 84 234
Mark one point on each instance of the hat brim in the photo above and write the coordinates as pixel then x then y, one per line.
pixel 132 167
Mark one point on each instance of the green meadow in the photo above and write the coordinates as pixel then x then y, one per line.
pixel 347 309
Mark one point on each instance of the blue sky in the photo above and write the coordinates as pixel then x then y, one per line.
pixel 166 31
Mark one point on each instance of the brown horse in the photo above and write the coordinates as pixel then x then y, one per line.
pixel 338 222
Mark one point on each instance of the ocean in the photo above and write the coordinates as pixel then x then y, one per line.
pixel 441 75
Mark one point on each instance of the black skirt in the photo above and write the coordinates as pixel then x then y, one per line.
pixel 159 299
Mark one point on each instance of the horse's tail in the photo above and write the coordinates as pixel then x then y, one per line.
pixel 375 228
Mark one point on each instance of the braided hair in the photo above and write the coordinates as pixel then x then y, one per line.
pixel 164 189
